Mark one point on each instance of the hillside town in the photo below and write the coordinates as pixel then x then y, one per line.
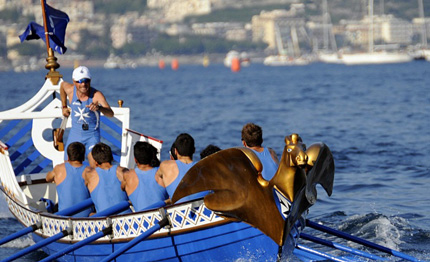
pixel 300 30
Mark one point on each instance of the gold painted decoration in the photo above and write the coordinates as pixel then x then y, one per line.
pixel 239 192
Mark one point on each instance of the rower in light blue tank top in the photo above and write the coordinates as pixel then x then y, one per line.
pixel 183 168
pixel 73 190
pixel 269 165
pixel 108 191
pixel 85 123
pixel 148 191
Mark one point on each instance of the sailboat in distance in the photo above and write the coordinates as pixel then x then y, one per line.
pixel 282 58
pixel 327 55
pixel 372 56
pixel 422 52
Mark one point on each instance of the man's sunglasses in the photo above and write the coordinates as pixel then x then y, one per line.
pixel 84 80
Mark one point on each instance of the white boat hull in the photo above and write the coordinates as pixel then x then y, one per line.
pixel 375 58
pixel 284 61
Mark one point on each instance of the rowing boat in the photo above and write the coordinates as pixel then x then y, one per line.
pixel 242 217
pixel 192 230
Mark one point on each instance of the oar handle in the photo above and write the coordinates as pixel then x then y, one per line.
pixel 121 206
pixel 75 208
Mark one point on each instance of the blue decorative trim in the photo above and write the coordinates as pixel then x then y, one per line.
pixel 111 124
pixel 9 127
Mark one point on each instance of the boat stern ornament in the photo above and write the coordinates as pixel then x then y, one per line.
pixel 237 190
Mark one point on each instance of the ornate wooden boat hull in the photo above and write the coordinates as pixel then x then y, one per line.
pixel 196 234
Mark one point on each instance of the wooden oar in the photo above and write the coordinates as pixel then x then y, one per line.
pixel 137 240
pixel 66 212
pixel 58 134
pixel 109 211
pixel 359 240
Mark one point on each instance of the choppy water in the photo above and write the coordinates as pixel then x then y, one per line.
pixel 375 119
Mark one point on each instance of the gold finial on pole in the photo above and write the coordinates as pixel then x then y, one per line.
pixel 51 66
pixel 120 102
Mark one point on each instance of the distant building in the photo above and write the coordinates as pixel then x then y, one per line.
pixel 386 29
pixel 231 31
pixel 420 24
pixel 131 28
pixel 176 10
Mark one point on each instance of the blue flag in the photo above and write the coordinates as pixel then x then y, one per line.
pixel 56 22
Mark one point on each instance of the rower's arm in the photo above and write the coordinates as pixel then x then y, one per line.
pixel 103 105
pixel 50 176
pixel 63 94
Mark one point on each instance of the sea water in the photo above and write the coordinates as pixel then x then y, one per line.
pixel 375 119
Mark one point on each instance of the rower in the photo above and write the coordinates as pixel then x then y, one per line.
pixel 69 181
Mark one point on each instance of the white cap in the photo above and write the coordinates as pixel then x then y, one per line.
pixel 81 72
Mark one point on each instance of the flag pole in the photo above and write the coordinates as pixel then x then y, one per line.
pixel 51 59
pixel 45 25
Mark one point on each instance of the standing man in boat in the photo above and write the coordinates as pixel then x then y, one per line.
pixel 86 103
pixel 252 137
pixel 104 181
pixel 172 171
pixel 141 185
pixel 69 180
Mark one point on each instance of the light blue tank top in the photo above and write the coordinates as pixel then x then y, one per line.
pixel 108 191
pixel 83 115
pixel 148 191
pixel 73 190
pixel 183 168
pixel 269 165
